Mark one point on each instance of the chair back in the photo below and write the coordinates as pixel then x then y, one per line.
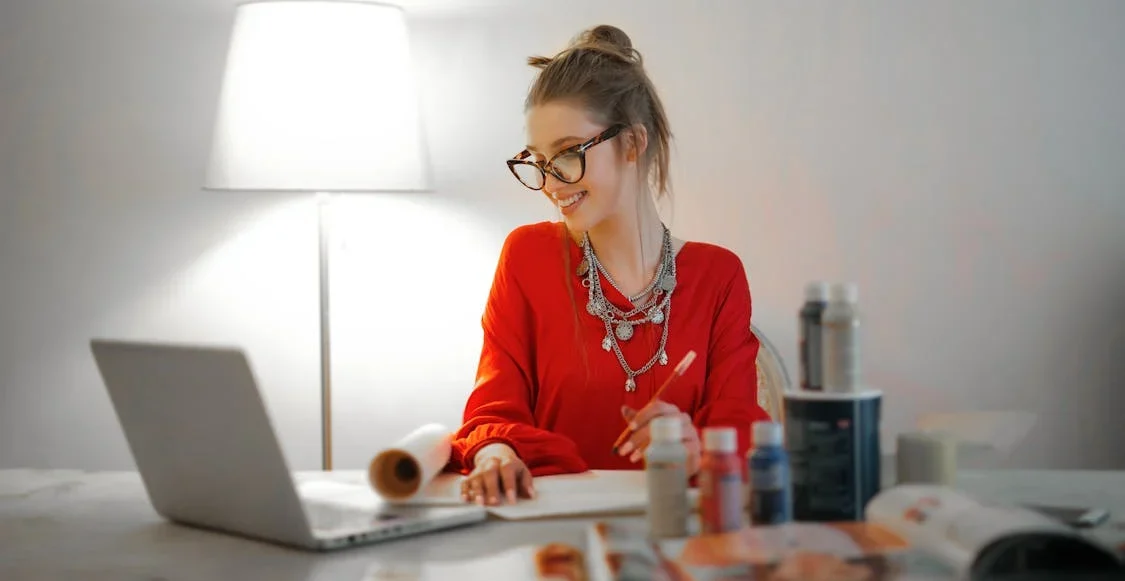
pixel 773 379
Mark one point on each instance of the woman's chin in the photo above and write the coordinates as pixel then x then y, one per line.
pixel 580 221
pixel 574 222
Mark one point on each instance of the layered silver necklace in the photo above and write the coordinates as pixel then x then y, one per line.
pixel 652 305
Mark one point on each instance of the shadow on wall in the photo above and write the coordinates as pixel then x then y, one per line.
pixel 1084 360
pixel 1087 366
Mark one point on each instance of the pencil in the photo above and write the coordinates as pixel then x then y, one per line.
pixel 678 372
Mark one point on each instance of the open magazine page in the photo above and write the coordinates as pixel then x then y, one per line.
pixel 965 532
pixel 551 562
pixel 620 551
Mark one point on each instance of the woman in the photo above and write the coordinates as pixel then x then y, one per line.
pixel 587 317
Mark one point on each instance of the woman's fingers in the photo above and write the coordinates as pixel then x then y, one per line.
pixel 639 423
pixel 508 479
pixel 526 485
pixel 496 480
pixel 655 409
pixel 635 446
pixel 472 489
pixel 491 477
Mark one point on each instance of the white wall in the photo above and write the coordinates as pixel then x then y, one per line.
pixel 961 161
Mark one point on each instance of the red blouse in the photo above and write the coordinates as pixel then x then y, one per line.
pixel 546 387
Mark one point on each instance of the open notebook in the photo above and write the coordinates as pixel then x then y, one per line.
pixel 410 472
pixel 597 492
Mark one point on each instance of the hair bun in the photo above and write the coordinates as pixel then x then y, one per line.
pixel 608 35
pixel 607 40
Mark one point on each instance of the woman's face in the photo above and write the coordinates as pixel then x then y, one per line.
pixel 605 187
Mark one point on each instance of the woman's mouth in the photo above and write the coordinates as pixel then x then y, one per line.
pixel 570 203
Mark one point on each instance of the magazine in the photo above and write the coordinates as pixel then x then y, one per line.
pixel 911 532
pixel 550 562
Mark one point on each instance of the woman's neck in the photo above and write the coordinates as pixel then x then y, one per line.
pixel 629 244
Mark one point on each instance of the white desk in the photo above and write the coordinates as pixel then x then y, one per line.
pixel 100 526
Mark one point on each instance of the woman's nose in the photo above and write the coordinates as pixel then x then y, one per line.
pixel 552 184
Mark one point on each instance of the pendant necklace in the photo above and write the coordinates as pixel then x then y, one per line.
pixel 652 305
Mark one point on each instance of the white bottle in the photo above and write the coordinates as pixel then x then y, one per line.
pixel 667 480
pixel 840 340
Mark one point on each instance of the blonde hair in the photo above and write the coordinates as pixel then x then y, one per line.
pixel 603 73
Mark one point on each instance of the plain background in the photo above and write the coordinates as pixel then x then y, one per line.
pixel 963 162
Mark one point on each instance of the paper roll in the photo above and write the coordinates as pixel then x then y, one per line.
pixel 399 473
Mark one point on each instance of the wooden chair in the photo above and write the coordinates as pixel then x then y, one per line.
pixel 773 379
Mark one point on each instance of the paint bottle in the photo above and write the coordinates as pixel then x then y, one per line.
pixel 840 340
pixel 720 481
pixel 816 298
pixel 834 453
pixel 770 493
pixel 666 476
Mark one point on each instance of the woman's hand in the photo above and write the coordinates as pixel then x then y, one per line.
pixel 497 473
pixel 635 446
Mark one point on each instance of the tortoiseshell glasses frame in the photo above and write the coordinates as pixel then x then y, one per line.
pixel 561 165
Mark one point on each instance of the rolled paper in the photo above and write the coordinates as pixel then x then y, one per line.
pixel 401 472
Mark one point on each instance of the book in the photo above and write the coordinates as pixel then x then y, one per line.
pixel 910 532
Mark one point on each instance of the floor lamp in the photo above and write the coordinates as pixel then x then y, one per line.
pixel 318 97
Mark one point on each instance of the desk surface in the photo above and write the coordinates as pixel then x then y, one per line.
pixel 95 526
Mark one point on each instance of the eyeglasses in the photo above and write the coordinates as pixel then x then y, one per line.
pixel 568 165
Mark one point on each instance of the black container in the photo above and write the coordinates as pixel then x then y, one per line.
pixel 834 453
pixel 810 365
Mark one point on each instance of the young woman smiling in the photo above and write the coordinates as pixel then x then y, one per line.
pixel 588 315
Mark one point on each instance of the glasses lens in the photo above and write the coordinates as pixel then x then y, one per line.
pixel 529 175
pixel 568 167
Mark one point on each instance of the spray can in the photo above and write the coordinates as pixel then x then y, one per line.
pixel 841 340
pixel 809 332
pixel 720 481
pixel 666 475
pixel 770 493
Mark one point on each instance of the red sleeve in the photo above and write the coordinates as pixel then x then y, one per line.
pixel 499 408
pixel 730 392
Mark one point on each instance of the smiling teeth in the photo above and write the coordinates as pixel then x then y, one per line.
pixel 571 200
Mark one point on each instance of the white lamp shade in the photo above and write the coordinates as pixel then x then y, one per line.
pixel 318 96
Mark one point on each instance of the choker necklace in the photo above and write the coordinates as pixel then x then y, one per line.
pixel 652 305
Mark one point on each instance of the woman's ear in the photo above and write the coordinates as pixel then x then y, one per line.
pixel 637 142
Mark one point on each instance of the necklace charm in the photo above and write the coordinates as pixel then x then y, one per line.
pixel 583 267
pixel 607 343
pixel 663 358
pixel 624 331
pixel 595 307
pixel 630 385
pixel 667 283
pixel 657 316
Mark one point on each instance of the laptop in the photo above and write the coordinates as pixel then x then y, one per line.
pixel 209 458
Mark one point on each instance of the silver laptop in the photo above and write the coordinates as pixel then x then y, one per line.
pixel 208 455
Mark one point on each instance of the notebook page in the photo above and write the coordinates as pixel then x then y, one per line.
pixel 592 492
